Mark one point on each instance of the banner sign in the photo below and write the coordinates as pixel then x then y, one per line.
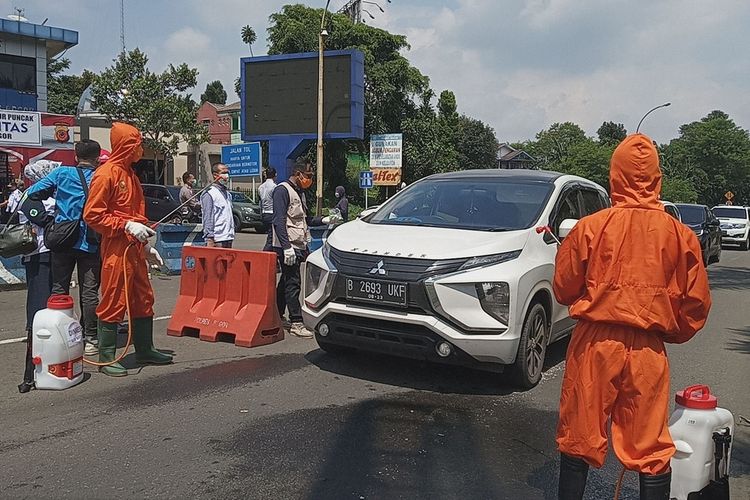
pixel 386 176
pixel 243 160
pixel 21 128
pixel 386 151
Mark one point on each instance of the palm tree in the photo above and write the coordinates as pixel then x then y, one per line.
pixel 249 37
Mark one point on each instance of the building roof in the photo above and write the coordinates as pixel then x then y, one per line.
pixel 58 39
pixel 235 106
pixel 518 155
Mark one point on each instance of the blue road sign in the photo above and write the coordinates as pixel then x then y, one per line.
pixel 365 180
pixel 243 160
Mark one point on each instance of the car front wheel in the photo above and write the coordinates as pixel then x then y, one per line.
pixel 532 348
pixel 237 223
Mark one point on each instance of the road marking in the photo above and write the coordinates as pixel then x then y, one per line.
pixel 7 276
pixel 12 341
pixel 162 318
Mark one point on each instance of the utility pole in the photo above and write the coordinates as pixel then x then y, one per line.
pixel 322 34
pixel 122 25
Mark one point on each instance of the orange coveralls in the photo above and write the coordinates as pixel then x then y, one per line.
pixel 634 278
pixel 116 197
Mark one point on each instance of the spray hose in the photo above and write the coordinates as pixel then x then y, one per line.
pixel 127 282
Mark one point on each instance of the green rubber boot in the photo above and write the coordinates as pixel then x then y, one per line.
pixel 107 347
pixel 143 340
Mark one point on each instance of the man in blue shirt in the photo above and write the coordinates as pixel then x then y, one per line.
pixel 64 184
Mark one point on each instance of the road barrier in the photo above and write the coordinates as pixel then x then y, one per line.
pixel 12 273
pixel 172 238
pixel 227 293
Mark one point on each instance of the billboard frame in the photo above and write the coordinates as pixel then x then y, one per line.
pixel 357 98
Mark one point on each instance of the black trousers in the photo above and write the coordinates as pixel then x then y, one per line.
pixel 89 267
pixel 267 220
pixel 39 288
pixel 289 288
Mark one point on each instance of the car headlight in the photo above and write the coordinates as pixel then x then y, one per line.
pixel 739 225
pixel 247 210
pixel 698 232
pixel 495 300
pixel 317 285
pixel 489 260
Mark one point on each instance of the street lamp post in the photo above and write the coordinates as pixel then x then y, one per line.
pixel 322 34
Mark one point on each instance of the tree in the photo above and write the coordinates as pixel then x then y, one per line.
pixel 157 104
pixel 214 93
pixel 64 91
pixel 476 144
pixel 611 133
pixel 249 37
pixel 552 145
pixel 716 153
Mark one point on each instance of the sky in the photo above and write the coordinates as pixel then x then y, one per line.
pixel 518 65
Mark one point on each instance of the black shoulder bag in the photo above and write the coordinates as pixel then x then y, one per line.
pixel 63 235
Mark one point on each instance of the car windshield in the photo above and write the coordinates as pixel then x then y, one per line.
pixel 730 213
pixel 240 197
pixel 692 214
pixel 483 204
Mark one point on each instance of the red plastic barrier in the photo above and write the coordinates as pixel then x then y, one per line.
pixel 227 293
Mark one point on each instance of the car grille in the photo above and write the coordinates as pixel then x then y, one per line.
pixel 396 268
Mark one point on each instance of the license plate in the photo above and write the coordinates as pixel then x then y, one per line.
pixel 382 292
pixel 77 368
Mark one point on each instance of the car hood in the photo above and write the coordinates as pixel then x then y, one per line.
pixel 732 220
pixel 423 242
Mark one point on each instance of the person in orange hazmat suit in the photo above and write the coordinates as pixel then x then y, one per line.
pixel 634 279
pixel 116 209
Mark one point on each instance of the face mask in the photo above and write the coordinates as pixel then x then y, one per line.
pixel 305 183
pixel 222 179
pixel 338 196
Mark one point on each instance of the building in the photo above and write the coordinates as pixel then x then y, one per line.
pixel 222 122
pixel 27 132
pixel 512 158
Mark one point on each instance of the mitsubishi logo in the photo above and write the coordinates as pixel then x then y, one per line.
pixel 379 269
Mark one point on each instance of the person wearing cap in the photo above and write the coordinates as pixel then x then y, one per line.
pixel 65 184
pixel 634 279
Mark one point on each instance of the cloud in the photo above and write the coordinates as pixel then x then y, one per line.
pixel 189 40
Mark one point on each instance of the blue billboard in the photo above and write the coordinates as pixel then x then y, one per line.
pixel 243 160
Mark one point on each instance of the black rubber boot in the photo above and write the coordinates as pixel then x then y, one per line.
pixel 107 333
pixel 143 340
pixel 655 487
pixel 28 373
pixel 573 475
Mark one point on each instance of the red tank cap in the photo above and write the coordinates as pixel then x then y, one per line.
pixel 36 360
pixel 697 397
pixel 60 302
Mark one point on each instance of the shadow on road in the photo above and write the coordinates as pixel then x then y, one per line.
pixel 741 342
pixel 423 375
pixel 729 278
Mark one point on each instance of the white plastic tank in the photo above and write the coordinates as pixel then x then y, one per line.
pixel 694 422
pixel 57 345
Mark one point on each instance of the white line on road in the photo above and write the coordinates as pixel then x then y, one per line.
pixel 21 339
pixel 12 341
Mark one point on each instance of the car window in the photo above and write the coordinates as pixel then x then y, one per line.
pixel 592 202
pixel 692 214
pixel 150 192
pixel 483 204
pixel 567 208
pixel 672 211
pixel 730 212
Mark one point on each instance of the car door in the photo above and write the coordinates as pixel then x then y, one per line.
pixel 714 227
pixel 151 197
pixel 568 206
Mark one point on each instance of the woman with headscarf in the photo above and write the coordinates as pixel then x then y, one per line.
pixel 343 203
pixel 37 263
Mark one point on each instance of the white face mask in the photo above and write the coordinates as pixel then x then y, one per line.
pixel 223 179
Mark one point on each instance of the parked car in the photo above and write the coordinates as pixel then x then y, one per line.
pixel 672 209
pixel 706 226
pixel 246 213
pixel 453 269
pixel 161 201
pixel 735 225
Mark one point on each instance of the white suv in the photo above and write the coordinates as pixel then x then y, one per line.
pixel 456 268
pixel 735 226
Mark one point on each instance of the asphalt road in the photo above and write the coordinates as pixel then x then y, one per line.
pixel 288 421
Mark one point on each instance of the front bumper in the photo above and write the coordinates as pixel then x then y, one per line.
pixel 409 334
pixel 734 235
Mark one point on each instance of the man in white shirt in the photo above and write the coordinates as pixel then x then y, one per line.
pixel 14 199
pixel 266 204
pixel 216 204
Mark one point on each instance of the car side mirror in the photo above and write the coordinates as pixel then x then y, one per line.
pixel 566 227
